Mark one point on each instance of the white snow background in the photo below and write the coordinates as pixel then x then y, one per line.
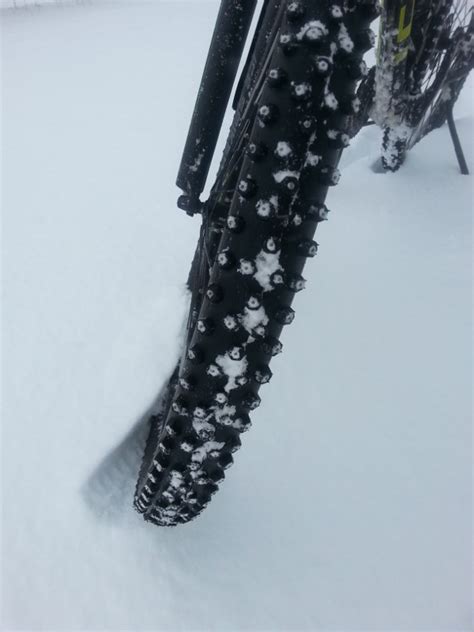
pixel 348 507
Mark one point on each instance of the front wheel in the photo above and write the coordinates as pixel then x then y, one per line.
pixel 254 245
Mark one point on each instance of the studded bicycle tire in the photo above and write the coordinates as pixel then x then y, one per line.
pixel 292 151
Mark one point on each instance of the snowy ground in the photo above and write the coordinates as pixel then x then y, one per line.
pixel 368 411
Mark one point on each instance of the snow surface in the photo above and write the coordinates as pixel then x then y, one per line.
pixel 348 506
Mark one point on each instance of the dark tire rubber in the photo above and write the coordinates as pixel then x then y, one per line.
pixel 293 147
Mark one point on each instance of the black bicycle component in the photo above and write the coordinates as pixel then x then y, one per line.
pixel 457 144
pixel 264 33
pixel 258 251
pixel 228 40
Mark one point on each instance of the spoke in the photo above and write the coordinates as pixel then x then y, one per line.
pixel 458 19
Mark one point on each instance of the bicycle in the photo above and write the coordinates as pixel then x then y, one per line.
pixel 295 109
pixel 424 56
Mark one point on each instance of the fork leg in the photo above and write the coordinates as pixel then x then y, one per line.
pixel 232 26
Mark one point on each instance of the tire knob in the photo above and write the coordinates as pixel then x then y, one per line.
pixel 247 187
pixel 253 303
pixel 301 91
pixel 356 68
pixel 225 460
pixel 235 223
pixel 315 34
pixel 277 77
pixel 364 40
pixel 167 445
pixel 256 151
pixel 230 322
pixel 236 353
pixel 370 9
pixel 180 405
pixel 214 293
pixel 329 176
pixel 246 267
pixel 208 490
pixel 349 105
pixel 295 282
pixel 277 278
pixel 215 473
pixel 162 459
pixel 187 383
pixel 288 43
pixel 337 139
pixel 195 354
pixel 221 397
pixel 289 184
pixel 336 12
pixel 308 124
pixel 284 315
pixel 265 209
pixel 271 346
pixel 322 65
pixel 242 423
pixel 272 245
pixel 317 213
pixel 233 443
pixel 251 401
pixel 176 425
pixel 267 114
pixel 190 441
pixel 295 11
pixel 205 326
pixel 263 374
pixel 259 331
pixel 306 248
pixel 225 259
pixel 242 380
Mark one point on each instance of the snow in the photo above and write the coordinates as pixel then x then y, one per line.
pixel 348 505
pixel 253 318
pixel 21 4
pixel 344 39
pixel 301 89
pixel 280 175
pixel 232 369
pixel 225 415
pixel 265 208
pixel 202 452
pixel 283 149
pixel 322 63
pixel 195 166
pixel 395 137
pixel 313 30
pixel 246 267
pixel 203 429
pixel 312 159
pixel 267 263
pixel 331 101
